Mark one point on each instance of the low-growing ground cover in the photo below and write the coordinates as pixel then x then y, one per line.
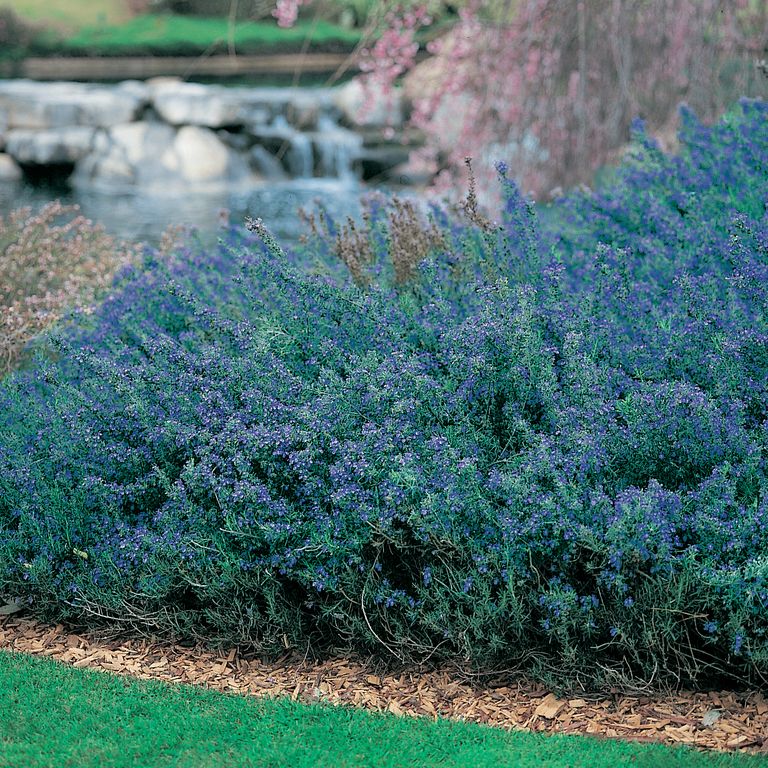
pixel 501 443
pixel 51 714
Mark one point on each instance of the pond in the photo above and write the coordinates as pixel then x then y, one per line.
pixel 142 216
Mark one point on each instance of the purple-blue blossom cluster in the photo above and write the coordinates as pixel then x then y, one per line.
pixel 550 444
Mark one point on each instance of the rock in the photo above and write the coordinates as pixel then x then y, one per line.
pixel 125 155
pixel 424 79
pixel 413 173
pixel 299 107
pixel 42 106
pixel 283 140
pixel 382 109
pixel 257 114
pixel 202 157
pixel 137 89
pixel 9 169
pixel 303 110
pixel 266 164
pixel 422 82
pixel 50 147
pixel 155 155
pixel 137 141
pixel 380 161
pixel 710 718
pixel 9 608
pixel 240 142
pixel 180 103
pixel 164 131
pixel 102 108
pixel 162 81
pixel 195 104
pixel 3 127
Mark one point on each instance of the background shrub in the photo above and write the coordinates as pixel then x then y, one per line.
pixel 50 262
pixel 15 34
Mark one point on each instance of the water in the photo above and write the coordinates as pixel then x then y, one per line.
pixel 338 149
pixel 139 216
pixel 294 138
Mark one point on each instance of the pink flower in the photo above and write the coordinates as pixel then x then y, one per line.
pixel 287 11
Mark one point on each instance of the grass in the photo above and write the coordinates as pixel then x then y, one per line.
pixel 54 715
pixel 164 32
pixel 107 27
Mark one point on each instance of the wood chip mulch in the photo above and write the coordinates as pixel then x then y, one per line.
pixel 711 720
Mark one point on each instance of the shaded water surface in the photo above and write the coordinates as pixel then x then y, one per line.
pixel 144 217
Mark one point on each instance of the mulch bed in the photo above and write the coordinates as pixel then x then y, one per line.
pixel 722 720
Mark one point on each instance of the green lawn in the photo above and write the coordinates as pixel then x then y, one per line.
pixel 107 27
pixel 160 33
pixel 54 715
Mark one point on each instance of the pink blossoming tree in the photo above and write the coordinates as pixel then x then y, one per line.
pixel 551 86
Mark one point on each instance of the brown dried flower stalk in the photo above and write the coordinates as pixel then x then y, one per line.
pixel 411 239
pixel 353 248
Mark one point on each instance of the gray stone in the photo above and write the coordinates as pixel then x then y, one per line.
pixel 257 114
pixel 41 106
pixel 136 89
pixel 410 174
pixel 180 103
pixel 155 155
pixel 196 104
pixel 303 110
pixel 710 717
pixel 240 142
pixel 125 155
pixel 3 126
pixel 142 142
pixel 266 164
pixel 9 169
pixel 294 147
pixel 199 156
pixel 49 147
pixel 379 161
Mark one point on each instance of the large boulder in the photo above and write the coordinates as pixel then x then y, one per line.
pixel 198 155
pixel 43 106
pixel 50 147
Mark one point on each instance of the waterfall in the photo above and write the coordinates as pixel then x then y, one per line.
pixel 266 163
pixel 300 158
pixel 287 143
pixel 338 149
